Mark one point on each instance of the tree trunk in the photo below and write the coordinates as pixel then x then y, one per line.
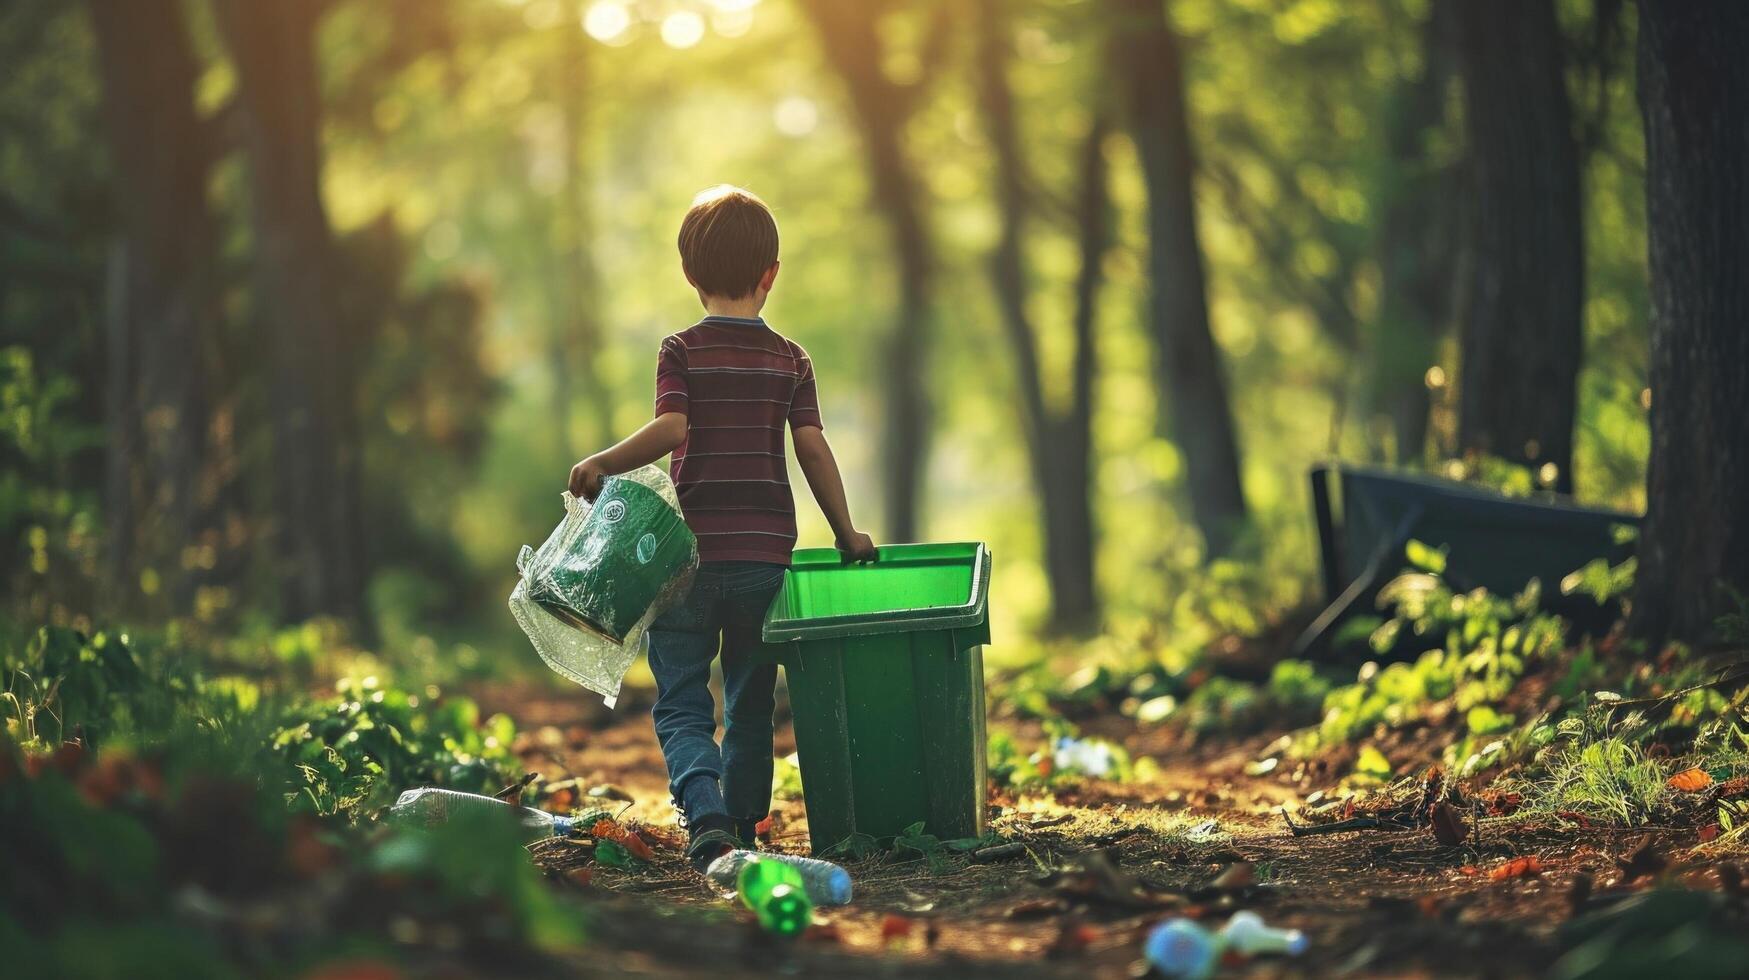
pixel 1188 368
pixel 851 41
pixel 161 307
pixel 1694 98
pixel 1077 535
pixel 1059 447
pixel 1414 248
pixel 294 263
pixel 577 334
pixel 1521 299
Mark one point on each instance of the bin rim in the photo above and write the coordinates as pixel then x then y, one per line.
pixel 973 612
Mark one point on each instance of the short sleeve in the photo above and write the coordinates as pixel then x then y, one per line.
pixel 671 390
pixel 804 404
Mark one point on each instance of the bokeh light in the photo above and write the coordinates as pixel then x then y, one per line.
pixel 795 115
pixel 682 29
pixel 606 21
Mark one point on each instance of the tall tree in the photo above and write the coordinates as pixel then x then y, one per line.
pixel 1520 299
pixel 1415 242
pixel 576 333
pixel 1059 444
pixel 162 308
pixel 849 33
pixel 1191 381
pixel 1694 98
pixel 297 304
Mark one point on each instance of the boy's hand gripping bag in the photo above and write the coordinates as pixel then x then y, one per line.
pixel 587 596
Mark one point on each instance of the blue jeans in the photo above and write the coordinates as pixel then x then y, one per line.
pixel 728 601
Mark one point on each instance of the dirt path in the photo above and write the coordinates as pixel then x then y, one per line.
pixel 1372 903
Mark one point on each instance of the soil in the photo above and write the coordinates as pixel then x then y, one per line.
pixel 1372 903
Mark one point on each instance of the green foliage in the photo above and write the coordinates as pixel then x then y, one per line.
pixel 1489 643
pixel 47 526
pixel 1602 581
pixel 1602 776
pixel 357 750
pixel 1509 478
pixel 63 685
pixel 786 778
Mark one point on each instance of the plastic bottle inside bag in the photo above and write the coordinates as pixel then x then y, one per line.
pixel 589 593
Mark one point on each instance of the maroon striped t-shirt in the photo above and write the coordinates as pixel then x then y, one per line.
pixel 737 382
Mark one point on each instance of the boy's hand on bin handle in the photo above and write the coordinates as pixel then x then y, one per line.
pixel 856 546
pixel 586 479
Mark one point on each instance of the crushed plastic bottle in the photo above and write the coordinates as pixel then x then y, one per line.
pixel 429 807
pixel 825 883
pixel 777 895
pixel 1183 948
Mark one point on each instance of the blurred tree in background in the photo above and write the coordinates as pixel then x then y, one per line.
pixel 307 307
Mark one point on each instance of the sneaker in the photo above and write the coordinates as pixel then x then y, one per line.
pixel 708 846
pixel 712 837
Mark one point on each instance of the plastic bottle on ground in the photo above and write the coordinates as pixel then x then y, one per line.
pixel 775 893
pixel 429 807
pixel 1183 948
pixel 1246 935
pixel 825 883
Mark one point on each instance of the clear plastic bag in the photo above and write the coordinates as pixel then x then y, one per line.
pixel 587 596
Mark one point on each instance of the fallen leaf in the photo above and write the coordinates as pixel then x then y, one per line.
pixel 823 932
pixel 581 876
pixel 1691 780
pixel 638 848
pixel 762 829
pixel 1578 818
pixel 1642 861
pixel 1709 833
pixel 656 838
pixel 605 829
pixel 1502 804
pixel 1527 866
pixel 1448 824
pixel 1470 870
pixel 895 927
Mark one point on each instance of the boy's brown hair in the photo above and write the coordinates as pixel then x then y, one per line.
pixel 727 241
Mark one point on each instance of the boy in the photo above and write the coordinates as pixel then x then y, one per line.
pixel 724 389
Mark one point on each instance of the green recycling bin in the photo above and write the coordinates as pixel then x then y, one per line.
pixel 885 666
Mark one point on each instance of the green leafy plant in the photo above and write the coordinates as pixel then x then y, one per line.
pixel 354 751
pixel 1488 643
pixel 1596 768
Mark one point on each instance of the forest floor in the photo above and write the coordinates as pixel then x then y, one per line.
pixel 1102 863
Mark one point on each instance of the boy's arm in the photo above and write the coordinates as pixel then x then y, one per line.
pixel 814 454
pixel 659 437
